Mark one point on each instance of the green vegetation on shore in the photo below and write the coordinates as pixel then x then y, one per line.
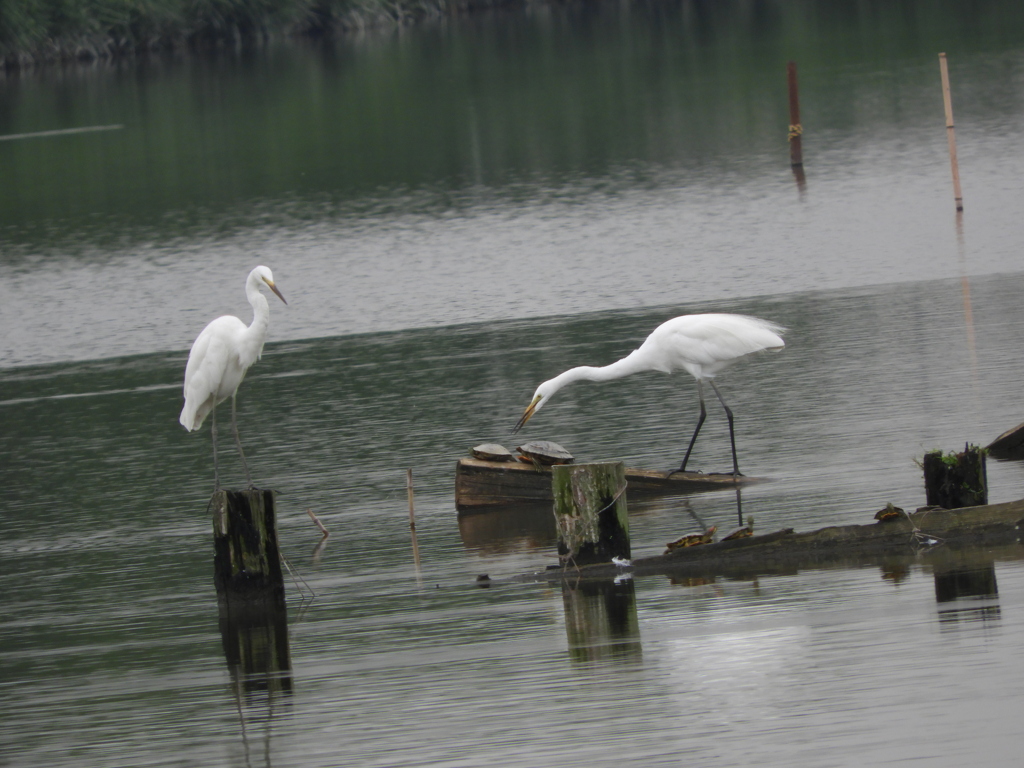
pixel 33 31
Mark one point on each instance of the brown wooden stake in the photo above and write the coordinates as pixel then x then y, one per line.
pixel 412 520
pixel 319 525
pixel 796 153
pixel 950 133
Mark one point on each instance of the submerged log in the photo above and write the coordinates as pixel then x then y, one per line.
pixel 590 512
pixel 936 532
pixel 954 480
pixel 247 563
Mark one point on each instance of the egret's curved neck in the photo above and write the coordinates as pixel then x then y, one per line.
pixel 260 317
pixel 631 363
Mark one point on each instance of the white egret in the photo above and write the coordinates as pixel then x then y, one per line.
pixel 701 345
pixel 219 359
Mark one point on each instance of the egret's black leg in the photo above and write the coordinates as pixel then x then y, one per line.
pixel 238 442
pixel 213 431
pixel 739 505
pixel 732 433
pixel 700 423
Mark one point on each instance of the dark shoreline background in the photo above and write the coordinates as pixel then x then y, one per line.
pixel 34 32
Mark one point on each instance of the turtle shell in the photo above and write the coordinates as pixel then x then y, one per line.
pixel 891 512
pixel 492 452
pixel 692 539
pixel 544 452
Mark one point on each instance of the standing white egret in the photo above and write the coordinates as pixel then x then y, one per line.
pixel 219 358
pixel 701 345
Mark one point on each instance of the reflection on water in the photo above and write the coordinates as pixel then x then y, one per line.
pixel 964 594
pixel 255 639
pixel 508 527
pixel 255 644
pixel 601 620
pixel 639 162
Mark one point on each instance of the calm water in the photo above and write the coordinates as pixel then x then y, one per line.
pixel 455 214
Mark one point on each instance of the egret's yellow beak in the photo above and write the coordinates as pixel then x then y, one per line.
pixel 270 284
pixel 526 414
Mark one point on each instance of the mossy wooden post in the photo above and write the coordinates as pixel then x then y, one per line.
pixel 590 512
pixel 246 562
pixel 954 480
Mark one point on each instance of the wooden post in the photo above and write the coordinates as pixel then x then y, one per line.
pixel 955 480
pixel 796 152
pixel 590 512
pixel 246 564
pixel 950 133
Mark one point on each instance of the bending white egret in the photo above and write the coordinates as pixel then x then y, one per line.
pixel 219 358
pixel 701 345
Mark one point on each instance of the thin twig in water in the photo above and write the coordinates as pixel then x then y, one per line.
pixel 296 577
pixel 918 537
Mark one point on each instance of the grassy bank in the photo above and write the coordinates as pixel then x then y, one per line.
pixel 35 31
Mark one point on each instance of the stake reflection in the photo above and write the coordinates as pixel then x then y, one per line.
pixel 600 620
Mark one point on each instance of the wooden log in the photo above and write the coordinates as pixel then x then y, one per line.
pixel 483 484
pixel 590 512
pixel 955 480
pixel 247 562
pixel 936 534
pixel 796 130
pixel 1009 445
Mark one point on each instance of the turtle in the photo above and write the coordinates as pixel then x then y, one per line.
pixel 692 539
pixel 742 532
pixel 543 452
pixel 492 452
pixel 891 512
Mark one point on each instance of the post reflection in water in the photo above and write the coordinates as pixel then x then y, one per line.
pixel 254 635
pixel 600 620
pixel 967 594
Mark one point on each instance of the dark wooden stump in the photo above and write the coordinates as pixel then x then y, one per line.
pixel 955 480
pixel 246 564
pixel 590 512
